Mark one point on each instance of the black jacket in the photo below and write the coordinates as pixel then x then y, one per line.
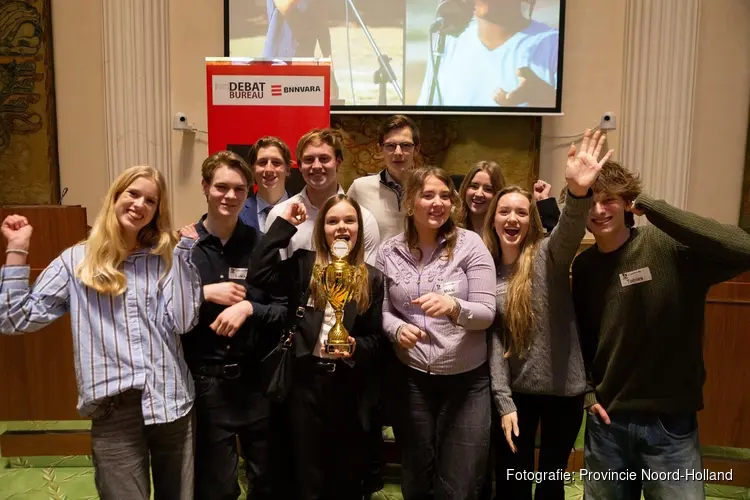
pixel 291 277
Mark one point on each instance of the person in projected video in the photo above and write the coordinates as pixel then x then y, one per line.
pixel 295 27
pixel 502 58
pixel 291 30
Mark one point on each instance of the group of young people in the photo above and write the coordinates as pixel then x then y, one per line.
pixel 465 333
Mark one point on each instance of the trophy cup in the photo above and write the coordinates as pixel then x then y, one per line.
pixel 339 279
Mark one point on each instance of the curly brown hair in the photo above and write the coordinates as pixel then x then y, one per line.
pixel 614 179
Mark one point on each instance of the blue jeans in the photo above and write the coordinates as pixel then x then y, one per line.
pixel 649 452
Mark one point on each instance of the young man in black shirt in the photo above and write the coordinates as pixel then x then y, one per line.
pixel 238 325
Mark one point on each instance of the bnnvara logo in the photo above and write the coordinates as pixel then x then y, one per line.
pixel 289 90
pixel 237 90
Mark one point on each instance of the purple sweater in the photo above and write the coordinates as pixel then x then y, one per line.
pixel 469 276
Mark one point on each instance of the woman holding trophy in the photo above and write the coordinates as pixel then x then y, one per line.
pixel 335 309
pixel 439 301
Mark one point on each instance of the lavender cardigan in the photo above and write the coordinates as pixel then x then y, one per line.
pixel 469 276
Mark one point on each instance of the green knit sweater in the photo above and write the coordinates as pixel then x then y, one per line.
pixel 640 308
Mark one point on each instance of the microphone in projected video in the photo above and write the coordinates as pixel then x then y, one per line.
pixel 452 17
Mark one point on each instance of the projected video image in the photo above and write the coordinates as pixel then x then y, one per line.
pixel 319 28
pixel 421 54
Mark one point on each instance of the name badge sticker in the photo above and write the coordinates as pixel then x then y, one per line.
pixel 449 288
pixel 237 273
pixel 633 277
pixel 501 288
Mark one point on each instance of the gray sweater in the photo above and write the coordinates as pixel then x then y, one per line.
pixel 553 364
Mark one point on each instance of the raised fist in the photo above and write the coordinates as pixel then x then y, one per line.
pixel 17 231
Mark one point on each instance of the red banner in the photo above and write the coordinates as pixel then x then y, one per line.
pixel 250 98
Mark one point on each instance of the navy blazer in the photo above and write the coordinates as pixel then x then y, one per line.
pixel 249 213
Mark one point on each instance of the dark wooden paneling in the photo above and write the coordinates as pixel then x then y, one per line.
pixel 725 421
pixel 740 470
pixel 734 291
pixel 37 368
pixel 33 444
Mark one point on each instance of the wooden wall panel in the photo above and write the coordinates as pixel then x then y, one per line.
pixel 41 444
pixel 37 368
pixel 725 421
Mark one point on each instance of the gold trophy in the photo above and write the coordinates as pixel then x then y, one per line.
pixel 339 279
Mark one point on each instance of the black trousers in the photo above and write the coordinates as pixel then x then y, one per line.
pixel 560 419
pixel 320 447
pixel 227 410
pixel 445 435
pixel 373 480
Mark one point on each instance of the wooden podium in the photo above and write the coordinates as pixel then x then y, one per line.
pixel 36 369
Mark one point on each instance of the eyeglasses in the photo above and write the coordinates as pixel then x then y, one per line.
pixel 406 147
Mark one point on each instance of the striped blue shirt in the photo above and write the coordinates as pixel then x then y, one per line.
pixel 119 342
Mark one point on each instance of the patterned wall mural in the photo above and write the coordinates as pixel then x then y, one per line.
pixel 451 142
pixel 28 150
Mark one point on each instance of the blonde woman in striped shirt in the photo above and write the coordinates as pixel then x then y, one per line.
pixel 129 290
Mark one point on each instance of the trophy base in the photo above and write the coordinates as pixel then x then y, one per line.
pixel 342 348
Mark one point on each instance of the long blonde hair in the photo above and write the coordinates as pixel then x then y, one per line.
pixel 414 186
pixel 497 179
pixel 356 256
pixel 101 269
pixel 519 313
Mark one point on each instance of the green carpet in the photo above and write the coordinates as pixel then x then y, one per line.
pixel 72 478
pixel 61 481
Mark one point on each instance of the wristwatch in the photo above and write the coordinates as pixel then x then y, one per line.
pixel 455 311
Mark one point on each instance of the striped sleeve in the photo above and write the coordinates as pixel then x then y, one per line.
pixel 24 309
pixel 182 291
